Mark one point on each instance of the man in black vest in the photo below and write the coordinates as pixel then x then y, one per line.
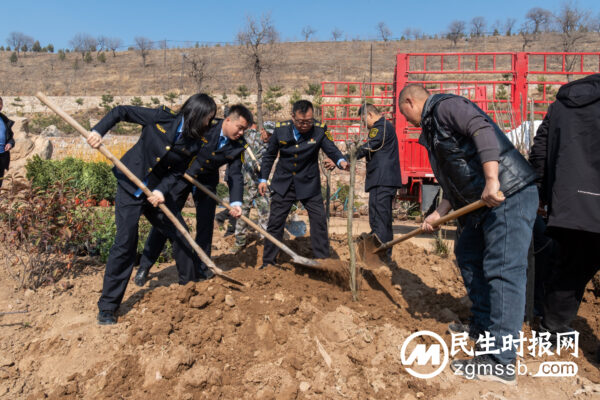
pixel 566 155
pixel 472 159
pixel 297 176
pixel 223 144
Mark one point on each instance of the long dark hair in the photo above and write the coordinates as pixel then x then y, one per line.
pixel 197 112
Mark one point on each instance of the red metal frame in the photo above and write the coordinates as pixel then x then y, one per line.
pixel 502 84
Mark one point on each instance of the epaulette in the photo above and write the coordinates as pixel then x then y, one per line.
pixel 215 121
pixel 320 124
pixel 243 142
pixel 284 123
pixel 167 109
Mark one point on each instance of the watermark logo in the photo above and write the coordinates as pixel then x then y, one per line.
pixel 424 354
pixel 435 355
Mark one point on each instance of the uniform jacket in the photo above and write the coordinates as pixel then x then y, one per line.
pixel 381 152
pixel 151 159
pixel 205 167
pixel 456 163
pixel 9 132
pixel 566 155
pixel 298 161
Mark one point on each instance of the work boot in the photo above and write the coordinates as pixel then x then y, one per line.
pixel 205 274
pixel 457 327
pixel 141 277
pixel 107 317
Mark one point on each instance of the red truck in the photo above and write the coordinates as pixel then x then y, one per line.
pixel 515 88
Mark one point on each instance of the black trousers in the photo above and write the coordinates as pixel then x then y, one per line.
pixel 128 210
pixel 4 163
pixel 577 264
pixel 381 199
pixel 280 208
pixel 205 215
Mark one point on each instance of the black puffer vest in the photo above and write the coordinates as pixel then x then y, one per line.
pixel 456 164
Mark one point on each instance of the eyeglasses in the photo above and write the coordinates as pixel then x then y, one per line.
pixel 304 121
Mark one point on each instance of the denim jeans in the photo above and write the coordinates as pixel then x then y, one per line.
pixel 492 256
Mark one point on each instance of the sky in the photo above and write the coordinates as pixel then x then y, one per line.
pixel 57 21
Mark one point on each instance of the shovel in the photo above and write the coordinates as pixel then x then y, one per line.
pixel 370 245
pixel 295 257
pixel 102 149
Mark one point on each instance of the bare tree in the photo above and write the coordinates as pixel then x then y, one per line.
pixel 257 42
pixel 383 31
pixel 412 33
pixel 101 40
pixel 113 43
pixel 527 33
pixel 478 25
pixel 18 39
pixel 336 34
pixel 509 25
pixel 595 24
pixel 198 72
pixel 307 32
pixel 497 27
pixel 144 45
pixel 83 42
pixel 572 23
pixel 540 19
pixel 456 31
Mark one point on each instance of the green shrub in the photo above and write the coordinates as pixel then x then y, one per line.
pixel 94 178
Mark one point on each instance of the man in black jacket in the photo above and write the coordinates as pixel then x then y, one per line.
pixel 223 144
pixel 6 142
pixel 473 159
pixel 383 171
pixel 566 155
pixel 297 176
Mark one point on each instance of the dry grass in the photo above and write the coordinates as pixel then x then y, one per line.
pixel 299 64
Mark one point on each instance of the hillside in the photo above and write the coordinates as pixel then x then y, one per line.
pixel 297 64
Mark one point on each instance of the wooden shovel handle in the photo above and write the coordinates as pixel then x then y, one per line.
pixel 448 217
pixel 102 149
pixel 254 225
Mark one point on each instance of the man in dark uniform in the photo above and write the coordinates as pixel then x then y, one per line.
pixel 383 171
pixel 159 158
pixel 223 144
pixel 297 176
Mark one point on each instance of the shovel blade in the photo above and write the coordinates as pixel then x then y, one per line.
pixel 366 245
pixel 305 261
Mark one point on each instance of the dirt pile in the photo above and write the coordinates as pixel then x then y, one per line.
pixel 290 334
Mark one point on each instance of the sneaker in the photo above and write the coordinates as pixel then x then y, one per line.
pixel 107 317
pixel 457 327
pixel 485 368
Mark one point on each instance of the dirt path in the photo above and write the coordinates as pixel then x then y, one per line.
pixel 291 334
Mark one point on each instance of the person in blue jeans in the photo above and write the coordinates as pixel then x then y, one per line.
pixel 473 159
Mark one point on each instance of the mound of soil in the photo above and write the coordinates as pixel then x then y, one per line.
pixel 292 333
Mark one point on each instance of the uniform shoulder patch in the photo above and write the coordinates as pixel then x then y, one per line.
pixel 328 135
pixel 215 121
pixel 373 132
pixel 160 128
pixel 167 109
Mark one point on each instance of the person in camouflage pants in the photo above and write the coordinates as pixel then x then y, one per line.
pixel 257 143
